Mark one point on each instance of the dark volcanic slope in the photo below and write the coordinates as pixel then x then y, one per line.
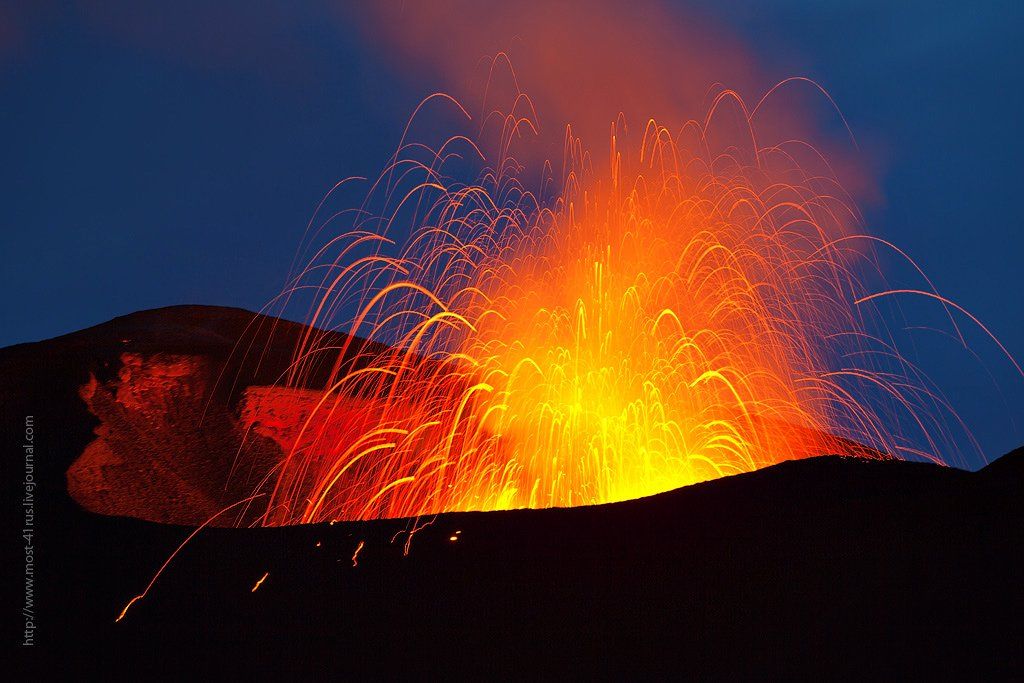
pixel 832 566
pixel 44 378
pixel 824 566
pixel 144 412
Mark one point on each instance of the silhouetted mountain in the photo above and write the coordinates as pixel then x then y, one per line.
pixel 828 566
pixel 150 406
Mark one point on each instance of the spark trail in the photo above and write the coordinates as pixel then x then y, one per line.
pixel 687 309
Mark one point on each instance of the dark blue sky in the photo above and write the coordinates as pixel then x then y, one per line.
pixel 160 156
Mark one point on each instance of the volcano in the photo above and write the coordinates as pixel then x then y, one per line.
pixel 151 424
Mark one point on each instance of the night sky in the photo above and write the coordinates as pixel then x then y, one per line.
pixel 157 156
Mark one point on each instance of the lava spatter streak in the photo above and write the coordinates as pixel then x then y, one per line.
pixel 682 311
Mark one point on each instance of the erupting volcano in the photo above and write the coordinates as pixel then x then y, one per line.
pixel 623 362
pixel 686 310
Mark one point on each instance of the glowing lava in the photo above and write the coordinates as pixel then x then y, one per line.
pixel 682 312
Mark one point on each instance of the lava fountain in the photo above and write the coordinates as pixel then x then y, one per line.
pixel 685 310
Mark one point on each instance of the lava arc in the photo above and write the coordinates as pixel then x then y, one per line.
pixel 684 310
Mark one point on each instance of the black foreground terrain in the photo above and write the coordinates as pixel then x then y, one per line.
pixel 829 566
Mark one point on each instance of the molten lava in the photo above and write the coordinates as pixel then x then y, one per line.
pixel 683 312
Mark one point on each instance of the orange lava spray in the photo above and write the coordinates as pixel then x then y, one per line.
pixel 687 309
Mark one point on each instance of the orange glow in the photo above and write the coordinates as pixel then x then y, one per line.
pixel 686 311
pixel 260 582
